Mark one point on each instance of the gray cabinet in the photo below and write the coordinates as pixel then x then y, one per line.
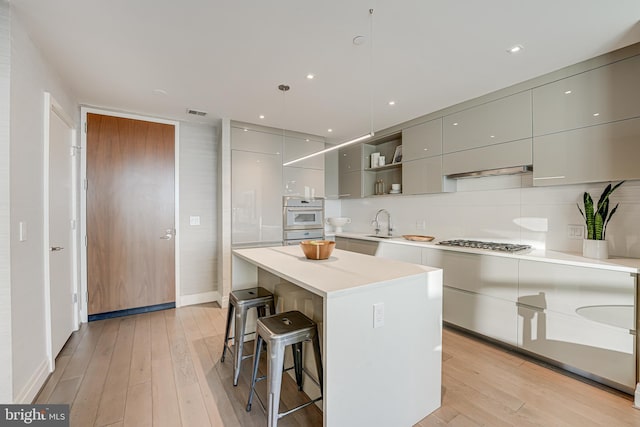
pixel 423 140
pixel 502 120
pixel 424 176
pixel 350 185
pixel 515 153
pixel 602 95
pixel 256 187
pixel 580 317
pixel 365 247
pixel 350 159
pixel 305 178
pixel 479 292
pixel 607 152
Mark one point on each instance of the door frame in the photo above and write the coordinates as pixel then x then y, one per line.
pixel 84 110
pixel 51 106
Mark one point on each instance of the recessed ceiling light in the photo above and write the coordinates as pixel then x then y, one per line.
pixel 246 130
pixel 311 76
pixel 567 92
pixel 515 49
pixel 261 116
pixel 160 92
pixel 392 102
pixel 455 124
pixel 307 139
pixel 329 130
pixel 596 114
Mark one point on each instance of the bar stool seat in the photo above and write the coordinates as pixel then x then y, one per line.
pixel 240 302
pixel 278 331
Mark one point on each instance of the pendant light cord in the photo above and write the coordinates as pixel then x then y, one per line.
pixel 371 79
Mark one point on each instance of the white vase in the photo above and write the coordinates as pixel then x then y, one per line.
pixel 598 249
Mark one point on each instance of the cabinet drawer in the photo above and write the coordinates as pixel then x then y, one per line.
pixel 486 275
pixel 422 176
pixel 516 153
pixel 607 152
pixel 602 95
pixel 591 347
pixel 423 140
pixel 570 290
pixel 503 120
pixel 492 317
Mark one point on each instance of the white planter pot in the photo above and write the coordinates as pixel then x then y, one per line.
pixel 598 249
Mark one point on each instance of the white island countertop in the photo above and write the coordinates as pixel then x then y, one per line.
pixel 343 272
pixel 380 323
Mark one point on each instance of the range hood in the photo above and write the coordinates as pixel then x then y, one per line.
pixel 514 170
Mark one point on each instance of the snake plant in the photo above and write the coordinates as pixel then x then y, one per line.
pixel 597 217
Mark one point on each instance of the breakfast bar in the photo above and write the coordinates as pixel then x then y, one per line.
pixel 381 327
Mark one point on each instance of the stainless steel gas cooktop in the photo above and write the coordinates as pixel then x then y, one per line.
pixel 492 246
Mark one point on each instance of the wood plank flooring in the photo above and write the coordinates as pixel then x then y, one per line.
pixel 164 369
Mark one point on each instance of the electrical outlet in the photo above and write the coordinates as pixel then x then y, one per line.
pixel 194 220
pixel 378 315
pixel 421 224
pixel 575 232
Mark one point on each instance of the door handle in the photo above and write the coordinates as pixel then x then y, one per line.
pixel 56 248
pixel 169 234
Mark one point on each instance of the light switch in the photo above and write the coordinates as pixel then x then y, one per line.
pixel 23 231
pixel 194 220
pixel 378 315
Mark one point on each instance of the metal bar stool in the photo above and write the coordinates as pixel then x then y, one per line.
pixel 290 328
pixel 239 303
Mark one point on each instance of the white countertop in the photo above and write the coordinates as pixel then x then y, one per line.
pixel 630 265
pixel 344 271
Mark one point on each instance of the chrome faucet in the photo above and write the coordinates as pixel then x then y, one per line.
pixel 376 223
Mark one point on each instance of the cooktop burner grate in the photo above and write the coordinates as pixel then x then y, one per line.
pixel 492 246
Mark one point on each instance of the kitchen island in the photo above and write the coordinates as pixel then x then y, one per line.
pixel 381 327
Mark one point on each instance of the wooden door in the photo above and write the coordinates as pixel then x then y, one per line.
pixel 130 213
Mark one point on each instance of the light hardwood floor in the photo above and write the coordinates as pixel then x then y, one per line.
pixel 164 369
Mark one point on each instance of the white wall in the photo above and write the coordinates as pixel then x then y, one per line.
pixel 198 197
pixel 505 209
pixel 6 388
pixel 31 76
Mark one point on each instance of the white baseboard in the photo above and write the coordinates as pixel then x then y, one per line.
pixel 201 298
pixel 29 392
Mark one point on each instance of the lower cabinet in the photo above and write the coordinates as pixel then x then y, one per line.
pixel 589 347
pixel 366 247
pixel 492 317
pixel 580 317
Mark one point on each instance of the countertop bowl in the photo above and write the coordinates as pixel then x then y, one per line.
pixel 317 249
pixel 338 222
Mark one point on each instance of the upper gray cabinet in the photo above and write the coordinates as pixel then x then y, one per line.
pixel 607 152
pixel 295 148
pixel 350 159
pixel 503 120
pixel 423 140
pixel 602 95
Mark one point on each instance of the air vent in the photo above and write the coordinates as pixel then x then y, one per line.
pixel 196 112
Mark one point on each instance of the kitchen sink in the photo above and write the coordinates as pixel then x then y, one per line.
pixel 380 236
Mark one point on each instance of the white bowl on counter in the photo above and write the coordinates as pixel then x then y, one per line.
pixel 338 222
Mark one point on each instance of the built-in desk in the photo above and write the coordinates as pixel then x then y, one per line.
pixel 382 376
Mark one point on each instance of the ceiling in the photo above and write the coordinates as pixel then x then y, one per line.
pixel 160 57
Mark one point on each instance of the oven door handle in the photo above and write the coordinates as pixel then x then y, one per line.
pixel 304 209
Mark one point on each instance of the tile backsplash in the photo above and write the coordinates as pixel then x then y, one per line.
pixel 505 209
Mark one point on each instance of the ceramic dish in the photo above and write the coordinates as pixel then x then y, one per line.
pixel 418 238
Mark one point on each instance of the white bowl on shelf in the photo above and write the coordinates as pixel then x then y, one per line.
pixel 338 222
